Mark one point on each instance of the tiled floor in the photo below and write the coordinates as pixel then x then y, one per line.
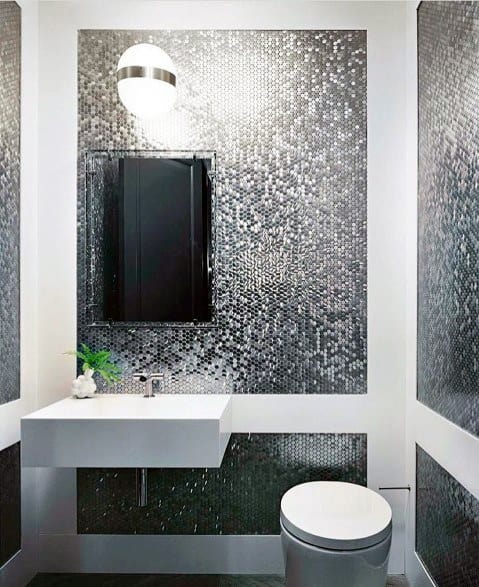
pixel 171 581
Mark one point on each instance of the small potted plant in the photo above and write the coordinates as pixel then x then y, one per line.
pixel 93 362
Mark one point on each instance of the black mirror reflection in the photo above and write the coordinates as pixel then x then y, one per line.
pixel 149 219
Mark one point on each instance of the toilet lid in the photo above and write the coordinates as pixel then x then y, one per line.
pixel 337 516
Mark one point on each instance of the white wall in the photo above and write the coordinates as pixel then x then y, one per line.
pixel 22 566
pixel 453 448
pixel 380 413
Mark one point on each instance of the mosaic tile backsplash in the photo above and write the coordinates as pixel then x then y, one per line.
pixel 241 497
pixel 448 311
pixel 447 525
pixel 10 54
pixel 285 111
pixel 10 499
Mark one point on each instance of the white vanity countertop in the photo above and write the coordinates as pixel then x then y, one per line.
pixel 129 430
pixel 136 407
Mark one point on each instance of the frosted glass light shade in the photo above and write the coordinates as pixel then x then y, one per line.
pixel 146 80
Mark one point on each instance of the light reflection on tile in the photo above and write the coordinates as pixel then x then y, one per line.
pixel 241 497
pixel 286 113
pixel 448 310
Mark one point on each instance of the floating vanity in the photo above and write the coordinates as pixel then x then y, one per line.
pixel 122 430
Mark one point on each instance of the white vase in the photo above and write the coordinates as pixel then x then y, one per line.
pixel 84 385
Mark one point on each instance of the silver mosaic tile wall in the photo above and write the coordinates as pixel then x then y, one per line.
pixel 10 55
pixel 228 500
pixel 285 112
pixel 10 502
pixel 448 311
pixel 447 526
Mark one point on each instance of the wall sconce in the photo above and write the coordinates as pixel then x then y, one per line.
pixel 146 79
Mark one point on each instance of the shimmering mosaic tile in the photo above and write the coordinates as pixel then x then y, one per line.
pixel 285 112
pixel 448 311
pixel 10 54
pixel 241 497
pixel 10 499
pixel 447 525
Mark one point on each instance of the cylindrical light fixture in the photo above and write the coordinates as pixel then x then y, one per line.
pixel 146 80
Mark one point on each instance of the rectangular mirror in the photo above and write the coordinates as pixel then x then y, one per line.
pixel 149 225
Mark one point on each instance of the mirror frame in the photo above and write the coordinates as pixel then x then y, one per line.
pixel 90 219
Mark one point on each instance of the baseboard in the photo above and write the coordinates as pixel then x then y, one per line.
pixel 18 571
pixel 160 554
pixel 100 553
pixel 417 574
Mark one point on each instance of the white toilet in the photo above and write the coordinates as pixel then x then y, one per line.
pixel 335 535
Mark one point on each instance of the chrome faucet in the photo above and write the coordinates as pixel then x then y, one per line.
pixel 148 379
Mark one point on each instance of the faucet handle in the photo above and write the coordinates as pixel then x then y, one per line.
pixel 148 379
pixel 140 377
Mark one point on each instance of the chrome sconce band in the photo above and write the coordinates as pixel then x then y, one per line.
pixel 149 72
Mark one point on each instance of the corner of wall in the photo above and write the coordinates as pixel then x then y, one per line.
pixel 21 568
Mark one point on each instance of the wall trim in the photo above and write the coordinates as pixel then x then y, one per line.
pixel 180 554
pixel 320 413
pixel 417 573
pixel 449 445
pixel 10 414
pixel 16 571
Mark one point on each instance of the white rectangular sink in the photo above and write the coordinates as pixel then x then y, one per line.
pixel 124 430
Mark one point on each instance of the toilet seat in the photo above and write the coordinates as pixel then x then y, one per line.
pixel 335 515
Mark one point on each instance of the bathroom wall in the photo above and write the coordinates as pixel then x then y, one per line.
pixel 241 497
pixel 443 417
pixel 10 73
pixel 10 57
pixel 450 555
pixel 317 402
pixel 290 207
pixel 448 310
pixel 18 62
pixel 290 244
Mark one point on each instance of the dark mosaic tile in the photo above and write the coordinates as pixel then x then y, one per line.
pixel 10 502
pixel 447 526
pixel 171 581
pixel 241 497
pixel 448 311
pixel 291 205
pixel 10 55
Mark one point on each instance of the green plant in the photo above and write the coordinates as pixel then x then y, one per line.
pixel 98 361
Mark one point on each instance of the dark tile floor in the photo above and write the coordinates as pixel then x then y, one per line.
pixel 60 580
